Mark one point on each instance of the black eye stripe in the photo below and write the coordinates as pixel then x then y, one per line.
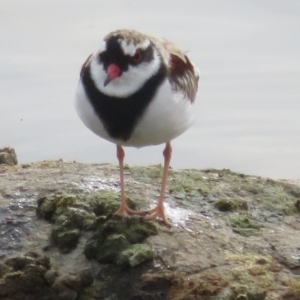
pixel 147 54
pixel 114 54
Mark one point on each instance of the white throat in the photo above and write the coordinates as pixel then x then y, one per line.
pixel 129 82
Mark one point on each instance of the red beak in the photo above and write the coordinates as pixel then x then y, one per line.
pixel 113 71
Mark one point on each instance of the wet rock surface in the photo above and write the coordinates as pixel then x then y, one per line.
pixel 233 236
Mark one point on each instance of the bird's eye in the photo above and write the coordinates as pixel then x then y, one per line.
pixel 137 57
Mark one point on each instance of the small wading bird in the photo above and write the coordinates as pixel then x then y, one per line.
pixel 138 90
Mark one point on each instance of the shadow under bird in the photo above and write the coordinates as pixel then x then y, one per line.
pixel 138 90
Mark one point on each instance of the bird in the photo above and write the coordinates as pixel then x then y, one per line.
pixel 138 90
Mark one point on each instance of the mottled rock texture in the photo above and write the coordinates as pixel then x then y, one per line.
pixel 233 236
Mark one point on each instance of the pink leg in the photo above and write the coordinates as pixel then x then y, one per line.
pixel 159 210
pixel 124 210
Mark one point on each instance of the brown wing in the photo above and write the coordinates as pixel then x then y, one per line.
pixel 181 72
pixel 183 76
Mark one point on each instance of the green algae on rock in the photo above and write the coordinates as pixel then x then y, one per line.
pixel 153 172
pixel 243 224
pixel 230 205
pixel 47 205
pixel 135 255
pixel 66 240
pixel 106 202
pixel 75 217
pixel 267 193
pixel 117 235
pixel 71 215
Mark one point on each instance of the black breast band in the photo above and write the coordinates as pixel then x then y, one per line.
pixel 120 115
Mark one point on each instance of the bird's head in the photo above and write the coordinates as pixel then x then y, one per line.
pixel 125 61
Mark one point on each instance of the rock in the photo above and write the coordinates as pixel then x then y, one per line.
pixel 8 156
pixel 31 277
pixel 50 276
pixel 4 269
pixel 27 276
pixel 233 236
pixel 86 277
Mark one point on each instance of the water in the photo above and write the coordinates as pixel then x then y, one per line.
pixel 247 52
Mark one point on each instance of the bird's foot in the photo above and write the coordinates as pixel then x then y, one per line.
pixel 125 211
pixel 157 212
pixel 151 214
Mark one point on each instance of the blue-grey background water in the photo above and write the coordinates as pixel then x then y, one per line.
pixel 248 53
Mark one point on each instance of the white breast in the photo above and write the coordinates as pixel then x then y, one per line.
pixel 168 115
pixel 87 114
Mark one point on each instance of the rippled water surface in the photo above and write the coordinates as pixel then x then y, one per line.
pixel 247 52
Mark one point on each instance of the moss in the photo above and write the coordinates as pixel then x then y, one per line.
pixel 187 181
pixel 291 189
pixel 152 172
pixel 134 255
pixel 106 251
pixel 106 202
pixel 135 229
pixel 230 205
pixel 47 205
pixel 72 217
pixel 230 191
pixel 116 235
pixel 244 225
pixel 272 195
pixel 68 224
pixel 65 240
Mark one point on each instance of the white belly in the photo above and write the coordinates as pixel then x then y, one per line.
pixel 167 116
